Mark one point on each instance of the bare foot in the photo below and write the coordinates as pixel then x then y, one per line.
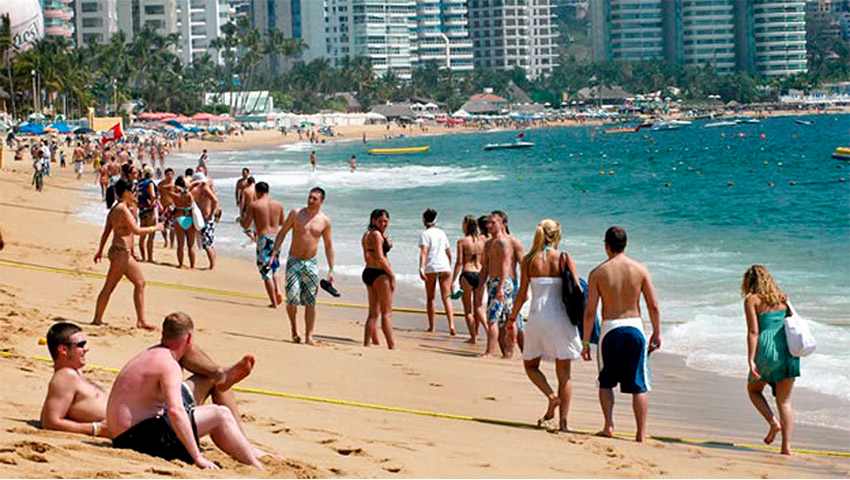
pixel 431 330
pixel 771 434
pixel 97 322
pixel 272 305
pixel 145 326
pixel 607 432
pixel 471 341
pixel 452 332
pixel 279 298
pixel 296 339
pixel 237 372
pixel 562 426
pixel 786 451
pixel 308 341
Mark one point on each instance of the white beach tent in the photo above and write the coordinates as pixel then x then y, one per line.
pixel 461 114
pixel 374 117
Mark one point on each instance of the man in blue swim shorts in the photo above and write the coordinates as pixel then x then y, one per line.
pixel 623 354
pixel 267 217
pixel 498 276
pixel 308 225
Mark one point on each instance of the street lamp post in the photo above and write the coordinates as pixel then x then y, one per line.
pixel 34 96
pixel 114 96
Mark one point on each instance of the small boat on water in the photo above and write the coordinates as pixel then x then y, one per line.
pixel 800 121
pixel 399 150
pixel 682 123
pixel 622 130
pixel 724 123
pixel 748 120
pixel 507 146
pixel 841 153
pixel 663 126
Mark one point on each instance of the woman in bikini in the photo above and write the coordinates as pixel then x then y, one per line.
pixel 468 266
pixel 379 278
pixel 183 223
pixel 121 223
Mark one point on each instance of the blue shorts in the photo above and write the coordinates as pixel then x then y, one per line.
pixel 622 356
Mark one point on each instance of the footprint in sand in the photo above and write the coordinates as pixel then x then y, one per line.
pixel 435 384
pixel 393 469
pixel 33 451
pixel 492 399
pixel 345 452
pixel 327 441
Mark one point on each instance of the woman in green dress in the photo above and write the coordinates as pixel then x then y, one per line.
pixel 769 360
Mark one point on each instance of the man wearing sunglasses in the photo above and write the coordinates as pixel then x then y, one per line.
pixel 76 404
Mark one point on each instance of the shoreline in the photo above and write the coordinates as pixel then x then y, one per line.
pixel 685 403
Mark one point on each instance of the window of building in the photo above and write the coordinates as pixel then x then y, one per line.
pixel 154 9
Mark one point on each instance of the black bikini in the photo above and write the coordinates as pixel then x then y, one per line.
pixel 472 278
pixel 370 274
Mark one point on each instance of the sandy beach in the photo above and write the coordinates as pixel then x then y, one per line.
pixel 302 409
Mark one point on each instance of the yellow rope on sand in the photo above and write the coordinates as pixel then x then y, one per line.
pixel 376 406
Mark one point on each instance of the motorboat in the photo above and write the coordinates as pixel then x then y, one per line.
pixel 841 153
pixel 682 123
pixel 663 126
pixel 724 123
pixel 399 150
pixel 800 121
pixel 508 146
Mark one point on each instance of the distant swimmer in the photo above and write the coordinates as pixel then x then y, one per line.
pixel 121 224
pixel 623 349
pixel 241 184
pixel 313 160
pixel 352 163
pixel 379 279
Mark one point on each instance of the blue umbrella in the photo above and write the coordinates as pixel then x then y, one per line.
pixel 61 127
pixel 31 129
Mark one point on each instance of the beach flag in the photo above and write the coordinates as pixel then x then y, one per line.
pixel 112 135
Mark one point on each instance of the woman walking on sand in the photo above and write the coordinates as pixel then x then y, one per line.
pixel 549 335
pixel 379 278
pixel 769 360
pixel 121 223
pixel 470 248
pixel 435 266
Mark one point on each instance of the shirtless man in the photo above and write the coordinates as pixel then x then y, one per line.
pixel 623 349
pixel 121 223
pixel 78 157
pixel 308 225
pixel 202 160
pixel 148 411
pixel 497 276
pixel 241 184
pixel 267 217
pixel 166 212
pixel 519 253
pixel 313 160
pixel 76 404
pixel 207 201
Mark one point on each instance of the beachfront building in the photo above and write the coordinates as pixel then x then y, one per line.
pixel 771 40
pixel 507 34
pixel 765 37
pixel 198 22
pixel 442 34
pixel 303 20
pixel 96 21
pixel 58 18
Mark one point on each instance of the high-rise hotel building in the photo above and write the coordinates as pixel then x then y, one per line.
pixel 765 37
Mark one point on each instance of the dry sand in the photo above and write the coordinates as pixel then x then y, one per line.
pixel 428 372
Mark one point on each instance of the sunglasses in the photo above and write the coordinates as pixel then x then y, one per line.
pixel 80 344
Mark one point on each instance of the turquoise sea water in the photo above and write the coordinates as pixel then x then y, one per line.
pixel 699 204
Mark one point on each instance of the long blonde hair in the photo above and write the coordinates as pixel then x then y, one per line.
pixel 758 281
pixel 548 234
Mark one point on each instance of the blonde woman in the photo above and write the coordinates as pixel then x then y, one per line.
pixel 768 357
pixel 549 334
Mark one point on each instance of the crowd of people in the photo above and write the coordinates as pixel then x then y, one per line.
pixel 151 409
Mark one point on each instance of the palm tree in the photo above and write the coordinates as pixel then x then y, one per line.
pixel 6 53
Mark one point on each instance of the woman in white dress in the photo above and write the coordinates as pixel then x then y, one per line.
pixel 549 335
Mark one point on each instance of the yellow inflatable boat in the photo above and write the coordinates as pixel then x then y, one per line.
pixel 399 150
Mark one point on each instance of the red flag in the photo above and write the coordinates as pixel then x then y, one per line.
pixel 112 135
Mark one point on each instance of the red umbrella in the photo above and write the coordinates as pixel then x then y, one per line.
pixel 203 117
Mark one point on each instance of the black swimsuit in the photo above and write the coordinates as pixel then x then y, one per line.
pixel 472 278
pixel 370 274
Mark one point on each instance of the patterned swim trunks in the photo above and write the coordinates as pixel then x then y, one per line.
pixel 499 311
pixel 266 264
pixel 302 281
pixel 208 233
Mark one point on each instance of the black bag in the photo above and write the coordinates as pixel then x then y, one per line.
pixel 571 294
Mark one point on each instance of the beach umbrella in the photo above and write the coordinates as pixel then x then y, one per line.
pixel 83 130
pixel 60 127
pixel 202 117
pixel 31 129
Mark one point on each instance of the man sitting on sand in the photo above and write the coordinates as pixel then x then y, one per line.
pixel 152 411
pixel 623 350
pixel 77 405
pixel 308 226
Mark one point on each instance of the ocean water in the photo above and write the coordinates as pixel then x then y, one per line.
pixel 700 205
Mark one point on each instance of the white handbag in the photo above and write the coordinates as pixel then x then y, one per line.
pixel 801 342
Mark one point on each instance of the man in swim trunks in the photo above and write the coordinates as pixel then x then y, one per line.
pixel 246 196
pixel 308 225
pixel 267 216
pixel 148 411
pixel 166 207
pixel 518 254
pixel 207 201
pixel 623 350
pixel 241 184
pixel 76 404
pixel 498 277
